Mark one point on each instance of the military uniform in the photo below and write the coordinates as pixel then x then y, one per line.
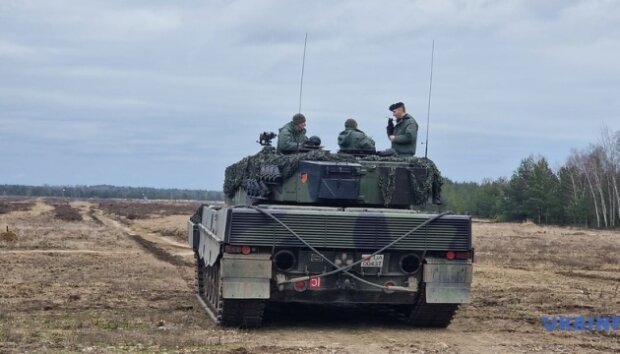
pixel 290 139
pixel 405 136
pixel 353 139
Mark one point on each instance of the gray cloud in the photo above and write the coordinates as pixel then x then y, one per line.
pixel 157 93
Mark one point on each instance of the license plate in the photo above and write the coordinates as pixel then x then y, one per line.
pixel 373 262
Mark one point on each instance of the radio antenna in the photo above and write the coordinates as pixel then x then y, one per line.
pixel 303 64
pixel 430 88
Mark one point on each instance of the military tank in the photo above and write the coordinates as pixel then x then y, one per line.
pixel 320 227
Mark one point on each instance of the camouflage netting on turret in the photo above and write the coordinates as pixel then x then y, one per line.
pixel 421 187
pixel 249 168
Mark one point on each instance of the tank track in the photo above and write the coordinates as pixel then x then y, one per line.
pixel 225 312
pixel 423 314
pixel 198 277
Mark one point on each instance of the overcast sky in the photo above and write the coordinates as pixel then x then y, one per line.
pixel 167 94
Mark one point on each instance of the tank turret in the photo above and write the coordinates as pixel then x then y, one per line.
pixel 318 177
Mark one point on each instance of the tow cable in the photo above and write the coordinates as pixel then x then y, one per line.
pixel 346 268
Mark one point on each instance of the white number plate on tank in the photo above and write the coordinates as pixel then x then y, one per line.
pixel 374 262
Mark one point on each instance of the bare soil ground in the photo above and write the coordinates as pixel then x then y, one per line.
pixel 121 280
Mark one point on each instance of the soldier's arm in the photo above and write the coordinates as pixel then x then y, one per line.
pixel 409 136
pixel 286 143
pixel 342 141
pixel 413 129
pixel 363 142
pixel 404 138
pixel 369 144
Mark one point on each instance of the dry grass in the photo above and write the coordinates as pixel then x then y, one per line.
pixel 528 246
pixel 171 225
pixel 8 205
pixel 8 235
pixel 55 301
pixel 66 212
pixel 144 209
pixel 89 287
pixel 524 271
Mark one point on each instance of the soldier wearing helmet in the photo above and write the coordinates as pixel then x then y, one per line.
pixel 404 134
pixel 353 140
pixel 292 136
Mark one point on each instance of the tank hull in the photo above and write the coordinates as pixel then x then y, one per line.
pixel 249 256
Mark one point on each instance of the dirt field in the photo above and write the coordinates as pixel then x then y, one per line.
pixel 121 280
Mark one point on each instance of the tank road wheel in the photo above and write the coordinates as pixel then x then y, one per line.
pixel 205 289
pixel 423 314
pixel 199 283
pixel 211 292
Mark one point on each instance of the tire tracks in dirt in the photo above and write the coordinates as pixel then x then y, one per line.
pixel 160 247
pixel 160 253
pixel 65 251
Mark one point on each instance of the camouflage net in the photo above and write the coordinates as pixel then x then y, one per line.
pixel 421 188
pixel 249 168
pixel 429 186
pixel 387 184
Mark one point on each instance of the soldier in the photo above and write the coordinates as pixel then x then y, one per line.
pixel 403 135
pixel 353 140
pixel 292 135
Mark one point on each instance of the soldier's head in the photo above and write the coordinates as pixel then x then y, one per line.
pixel 398 110
pixel 299 121
pixel 350 123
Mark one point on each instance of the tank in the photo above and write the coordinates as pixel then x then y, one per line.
pixel 323 228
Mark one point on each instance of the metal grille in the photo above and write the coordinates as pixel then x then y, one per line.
pixel 337 229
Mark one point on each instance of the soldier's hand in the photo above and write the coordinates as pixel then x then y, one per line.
pixel 390 127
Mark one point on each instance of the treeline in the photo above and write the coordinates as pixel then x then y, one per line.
pixel 106 191
pixel 584 191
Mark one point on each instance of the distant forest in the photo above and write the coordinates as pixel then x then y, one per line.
pixel 582 192
pixel 106 191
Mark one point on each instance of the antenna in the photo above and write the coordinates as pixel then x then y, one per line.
pixel 303 64
pixel 430 88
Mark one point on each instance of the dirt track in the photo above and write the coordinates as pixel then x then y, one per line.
pixel 113 284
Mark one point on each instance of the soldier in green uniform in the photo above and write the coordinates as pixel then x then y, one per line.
pixel 292 135
pixel 403 135
pixel 353 140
